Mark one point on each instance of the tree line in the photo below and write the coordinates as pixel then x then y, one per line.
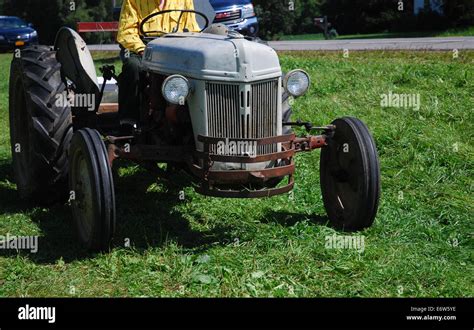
pixel 277 17
pixel 286 17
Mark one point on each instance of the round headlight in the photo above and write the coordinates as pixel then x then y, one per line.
pixel 297 82
pixel 176 89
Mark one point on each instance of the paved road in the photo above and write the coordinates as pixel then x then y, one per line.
pixel 379 44
pixel 450 43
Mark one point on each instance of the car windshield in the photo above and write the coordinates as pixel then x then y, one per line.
pixel 12 23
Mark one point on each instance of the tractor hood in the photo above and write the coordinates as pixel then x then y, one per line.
pixel 206 56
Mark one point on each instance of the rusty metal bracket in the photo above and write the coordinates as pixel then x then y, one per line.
pixel 139 152
pixel 234 183
pixel 310 143
pixel 245 193
pixel 242 176
pixel 226 183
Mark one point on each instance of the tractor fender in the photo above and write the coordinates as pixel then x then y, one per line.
pixel 76 61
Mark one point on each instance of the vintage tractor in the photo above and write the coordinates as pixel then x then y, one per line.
pixel 214 105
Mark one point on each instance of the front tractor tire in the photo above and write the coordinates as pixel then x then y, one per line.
pixel 40 130
pixel 92 186
pixel 350 176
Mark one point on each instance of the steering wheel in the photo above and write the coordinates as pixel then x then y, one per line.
pixel 182 11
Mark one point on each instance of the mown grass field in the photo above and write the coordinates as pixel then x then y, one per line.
pixel 420 246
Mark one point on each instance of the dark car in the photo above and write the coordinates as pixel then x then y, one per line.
pixel 239 15
pixel 15 32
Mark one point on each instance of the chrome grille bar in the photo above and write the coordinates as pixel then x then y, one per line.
pixel 226 16
pixel 264 103
pixel 224 103
pixel 223 108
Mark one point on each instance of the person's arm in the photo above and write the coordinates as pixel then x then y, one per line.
pixel 129 35
pixel 190 19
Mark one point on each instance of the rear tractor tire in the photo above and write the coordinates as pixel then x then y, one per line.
pixel 40 130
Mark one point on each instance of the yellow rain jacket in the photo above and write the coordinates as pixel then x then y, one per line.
pixel 134 11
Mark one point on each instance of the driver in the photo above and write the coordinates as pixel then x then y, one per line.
pixel 132 45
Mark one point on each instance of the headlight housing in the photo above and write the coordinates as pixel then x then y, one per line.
pixel 176 89
pixel 2 37
pixel 33 34
pixel 248 11
pixel 297 82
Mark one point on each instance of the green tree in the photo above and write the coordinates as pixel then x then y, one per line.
pixel 275 17
pixel 459 12
pixel 306 12
pixel 88 11
pixel 279 17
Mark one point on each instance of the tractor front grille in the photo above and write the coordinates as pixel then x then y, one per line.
pixel 244 111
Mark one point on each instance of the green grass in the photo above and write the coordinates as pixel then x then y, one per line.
pixel 302 37
pixel 466 32
pixel 275 247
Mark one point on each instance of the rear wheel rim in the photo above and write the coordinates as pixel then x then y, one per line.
pixel 84 199
pixel 345 173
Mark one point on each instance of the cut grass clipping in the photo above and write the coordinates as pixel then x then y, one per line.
pixel 420 245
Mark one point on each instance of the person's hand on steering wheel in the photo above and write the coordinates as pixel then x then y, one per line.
pixel 154 33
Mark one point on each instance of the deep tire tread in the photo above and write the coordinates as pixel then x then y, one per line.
pixel 51 126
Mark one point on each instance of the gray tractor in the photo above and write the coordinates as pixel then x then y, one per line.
pixel 214 105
